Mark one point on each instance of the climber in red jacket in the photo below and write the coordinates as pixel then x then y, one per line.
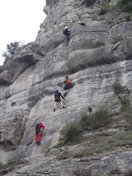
pixel 37 130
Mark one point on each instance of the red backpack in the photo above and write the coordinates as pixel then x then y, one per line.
pixel 68 81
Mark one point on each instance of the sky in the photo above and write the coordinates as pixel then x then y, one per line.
pixel 19 21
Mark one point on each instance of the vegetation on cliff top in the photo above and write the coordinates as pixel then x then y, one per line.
pixel 11 48
pixel 122 5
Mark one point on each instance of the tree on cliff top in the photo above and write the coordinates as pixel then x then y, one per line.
pixel 11 48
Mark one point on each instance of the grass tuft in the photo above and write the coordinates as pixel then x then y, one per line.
pixel 104 9
pixel 122 93
pixel 103 143
pixel 71 133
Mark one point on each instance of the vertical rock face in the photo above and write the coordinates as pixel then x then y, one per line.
pixel 49 5
pixel 99 53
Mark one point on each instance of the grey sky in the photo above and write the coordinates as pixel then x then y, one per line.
pixel 19 21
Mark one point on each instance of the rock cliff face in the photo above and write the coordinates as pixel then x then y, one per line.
pixel 99 53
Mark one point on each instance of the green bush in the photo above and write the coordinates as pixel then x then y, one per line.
pixel 128 18
pixel 123 94
pixel 126 108
pixel 71 133
pixel 98 119
pixel 118 88
pixel 104 9
pixel 124 5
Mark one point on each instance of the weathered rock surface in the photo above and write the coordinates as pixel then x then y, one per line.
pixel 73 167
pixel 97 55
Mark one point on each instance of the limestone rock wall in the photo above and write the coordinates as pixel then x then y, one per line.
pixel 97 54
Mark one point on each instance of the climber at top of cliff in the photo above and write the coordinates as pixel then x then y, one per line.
pixel 38 132
pixel 58 96
pixel 67 33
pixel 67 85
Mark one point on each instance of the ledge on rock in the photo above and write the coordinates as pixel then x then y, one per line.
pixel 28 58
pixel 6 77
pixel 15 67
pixel 81 59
